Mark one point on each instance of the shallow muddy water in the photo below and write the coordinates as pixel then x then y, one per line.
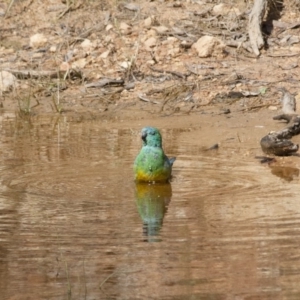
pixel 74 225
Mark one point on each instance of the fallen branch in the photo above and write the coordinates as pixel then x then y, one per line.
pixel 71 6
pixel 286 117
pixel 25 74
pixel 284 55
pixel 178 74
pixel 285 25
pixel 279 143
pixel 105 82
pixel 143 98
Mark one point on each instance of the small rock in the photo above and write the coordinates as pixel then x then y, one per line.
pixel 3 8
pixel 235 12
pixel 220 9
pixel 38 40
pixel 130 86
pixel 208 46
pixel 289 39
pixel 223 9
pixel 174 52
pixel 86 45
pixel 37 55
pixel 151 32
pixel 150 62
pixel 4 51
pixel 161 29
pixel 64 66
pixel 285 39
pixel 172 39
pixel 7 81
pixel 272 107
pixel 108 39
pixel 294 40
pixel 125 28
pixel 177 4
pixel 295 48
pixel 148 22
pixel 23 86
pixel 105 54
pixel 109 27
pixel 125 65
pixel 132 6
pixel 150 43
pixel 124 93
pixel 225 111
pixel 53 49
pixel 79 64
pixel 186 45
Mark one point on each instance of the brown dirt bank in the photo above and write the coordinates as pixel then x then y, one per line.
pixel 92 57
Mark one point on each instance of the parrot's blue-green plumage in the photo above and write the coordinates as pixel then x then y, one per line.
pixel 151 164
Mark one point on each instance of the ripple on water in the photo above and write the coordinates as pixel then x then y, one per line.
pixel 72 218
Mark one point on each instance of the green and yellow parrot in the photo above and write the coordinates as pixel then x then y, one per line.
pixel 151 164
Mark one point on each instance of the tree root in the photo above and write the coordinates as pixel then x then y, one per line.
pixel 255 21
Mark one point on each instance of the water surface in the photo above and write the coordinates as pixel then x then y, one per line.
pixel 73 224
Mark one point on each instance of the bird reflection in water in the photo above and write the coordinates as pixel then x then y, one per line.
pixel 152 203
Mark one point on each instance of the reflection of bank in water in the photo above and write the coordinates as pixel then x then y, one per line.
pixel 152 202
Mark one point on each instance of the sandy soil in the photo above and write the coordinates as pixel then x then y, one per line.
pixel 116 58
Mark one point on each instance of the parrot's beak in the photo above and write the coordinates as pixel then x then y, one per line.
pixel 144 136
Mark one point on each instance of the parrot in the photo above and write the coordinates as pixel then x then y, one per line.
pixel 151 164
